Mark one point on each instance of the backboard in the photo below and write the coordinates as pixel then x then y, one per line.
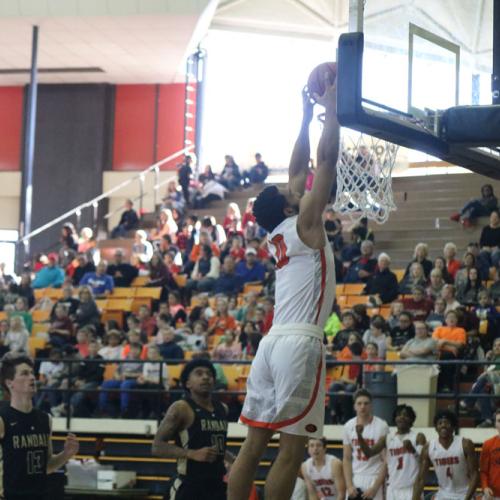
pixel 402 77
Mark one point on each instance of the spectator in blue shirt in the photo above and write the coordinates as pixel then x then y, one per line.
pixel 102 284
pixel 169 349
pixel 49 276
pixel 250 270
pixel 228 282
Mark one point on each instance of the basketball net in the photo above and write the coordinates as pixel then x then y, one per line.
pixel 364 177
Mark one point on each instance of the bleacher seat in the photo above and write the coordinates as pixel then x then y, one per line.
pixel 123 293
pixel 39 316
pixel 181 280
pixel 39 293
pixel 140 281
pixel 35 343
pixel 354 288
pixel 148 293
pixel 124 305
pixel 54 293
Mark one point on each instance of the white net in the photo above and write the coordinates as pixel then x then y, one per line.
pixel 364 177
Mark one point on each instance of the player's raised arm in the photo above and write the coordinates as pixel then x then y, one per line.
pixel 425 463
pixel 313 203
pixel 472 468
pixel 299 161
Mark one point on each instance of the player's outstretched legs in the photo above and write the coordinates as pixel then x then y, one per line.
pixel 281 479
pixel 243 469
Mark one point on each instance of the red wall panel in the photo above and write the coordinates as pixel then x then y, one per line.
pixel 134 143
pixel 11 124
pixel 170 122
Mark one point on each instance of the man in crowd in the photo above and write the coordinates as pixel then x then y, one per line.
pixel 128 221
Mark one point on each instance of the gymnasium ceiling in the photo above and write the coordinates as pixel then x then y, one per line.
pixel 146 41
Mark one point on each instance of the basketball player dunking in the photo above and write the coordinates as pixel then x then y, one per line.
pixel 364 476
pixel 25 436
pixel 322 473
pixel 454 460
pixel 198 424
pixel 285 389
pixel 402 455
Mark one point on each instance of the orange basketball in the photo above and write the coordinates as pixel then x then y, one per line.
pixel 315 82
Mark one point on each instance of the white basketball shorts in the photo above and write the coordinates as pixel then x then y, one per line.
pixel 399 493
pixel 365 481
pixel 286 385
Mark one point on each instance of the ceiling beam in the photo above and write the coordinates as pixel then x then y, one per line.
pixel 313 13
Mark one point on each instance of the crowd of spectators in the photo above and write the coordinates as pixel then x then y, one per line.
pixel 441 308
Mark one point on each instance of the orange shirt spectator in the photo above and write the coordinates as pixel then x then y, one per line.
pixel 489 464
pixel 196 251
pixel 450 337
pixel 217 325
pixel 126 351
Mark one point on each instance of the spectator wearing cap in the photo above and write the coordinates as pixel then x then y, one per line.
pixel 250 270
pixel 84 266
pixel 101 283
pixel 128 221
pixel 122 272
pixel 49 276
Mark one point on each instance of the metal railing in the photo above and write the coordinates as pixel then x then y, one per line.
pixel 176 392
pixel 94 203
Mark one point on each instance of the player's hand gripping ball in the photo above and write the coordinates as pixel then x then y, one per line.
pixel 316 80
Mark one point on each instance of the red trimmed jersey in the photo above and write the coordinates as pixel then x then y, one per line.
pixel 305 278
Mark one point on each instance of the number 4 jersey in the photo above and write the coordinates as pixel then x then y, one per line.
pixel 24 454
pixel 305 278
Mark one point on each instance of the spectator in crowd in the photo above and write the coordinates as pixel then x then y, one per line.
pixel 66 256
pixel 234 248
pixel 248 222
pixel 89 376
pixel 258 173
pixel 481 207
pixel 468 262
pixel 396 308
pixel 195 339
pixel 383 285
pixel 24 289
pixel 448 294
pixel 87 312
pixel 21 309
pixel 17 336
pixel 360 312
pixel 123 273
pixel 436 284
pixel 362 268
pixel 363 232
pixel 489 241
pixel 129 221
pixel 415 277
pixel 451 341
pixel 333 324
pixel 112 348
pixel 86 242
pixel 440 264
pixel 50 377
pixel 222 320
pixel 49 276
pixel 84 267
pixel 154 377
pixel 159 276
pixel 250 270
pixel 61 329
pixel 489 319
pixel 205 240
pixel 376 334
pixel 468 294
pixel 452 263
pixel 422 346
pixel 420 256
pixel 125 379
pixel 99 282
pixel 5 279
pixel 176 309
pixel 228 348
pixel 145 321
pixel 166 225
pixel 169 348
pixel 205 272
pixel 4 329
pixel 83 337
pixel 371 349
pixel 482 260
pixel 436 317
pixel 206 175
pixel 216 231
pixel 174 199
pixel 485 383
pixel 229 282
pixel 341 391
pixel 418 304
pixel 134 337
pixel 68 301
pixel 230 176
pixel 402 333
pixel 184 173
pixel 69 236
pixel 211 190
pixel 232 220
pixel 142 248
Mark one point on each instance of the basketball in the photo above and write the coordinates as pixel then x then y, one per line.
pixel 316 78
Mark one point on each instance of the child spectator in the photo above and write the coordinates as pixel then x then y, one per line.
pixel 229 347
pixel 402 333
pixel 222 320
pixel 376 334
pixel 436 317
pixel 83 338
pixel 51 375
pixel 196 339
pixel 176 309
pixel 347 328
pixel 61 329
pixel 396 309
pixel 371 350
pixel 489 320
pixel 133 337
pixel 147 322
pixel 169 349
pixel 113 347
pixel 418 304
pixel 21 309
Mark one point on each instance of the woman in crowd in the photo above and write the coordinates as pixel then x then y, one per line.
pixel 87 312
pixel 440 264
pixel 420 255
pixel 232 220
pixel 436 284
pixel 17 336
pixel 69 236
pixel 229 347
pixel 479 207
pixel 142 249
pixel 416 277
pixel 468 262
pixel 166 225
pixel 452 263
pixel 468 294
pixel 489 242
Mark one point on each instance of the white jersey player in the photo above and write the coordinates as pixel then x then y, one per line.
pixel 364 474
pixel 454 460
pixel 403 449
pixel 322 473
pixel 286 385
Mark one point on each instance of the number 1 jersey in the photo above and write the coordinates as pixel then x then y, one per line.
pixel 305 277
